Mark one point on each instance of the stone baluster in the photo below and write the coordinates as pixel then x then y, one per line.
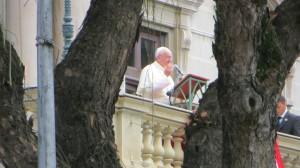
pixel 178 138
pixel 287 160
pixel 294 161
pixel 147 150
pixel 158 148
pixel 169 152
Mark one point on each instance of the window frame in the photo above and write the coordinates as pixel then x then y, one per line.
pixel 133 72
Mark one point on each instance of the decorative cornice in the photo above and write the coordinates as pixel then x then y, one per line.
pixel 190 5
pixel 203 33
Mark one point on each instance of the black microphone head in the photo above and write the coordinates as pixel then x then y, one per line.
pixel 170 92
pixel 176 67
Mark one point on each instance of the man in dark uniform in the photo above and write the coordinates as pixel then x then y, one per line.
pixel 286 122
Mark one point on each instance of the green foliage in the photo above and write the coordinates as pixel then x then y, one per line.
pixel 269 52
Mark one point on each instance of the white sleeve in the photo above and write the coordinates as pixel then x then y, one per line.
pixel 170 85
pixel 143 81
pixel 153 81
pixel 161 84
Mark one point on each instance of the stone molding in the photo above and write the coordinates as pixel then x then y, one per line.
pixel 189 5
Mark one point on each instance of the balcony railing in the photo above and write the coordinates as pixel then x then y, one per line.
pixel 290 150
pixel 142 125
pixel 150 134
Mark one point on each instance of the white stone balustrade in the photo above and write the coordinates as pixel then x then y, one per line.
pixel 158 147
pixel 165 154
pixel 139 121
pixel 150 135
pixel 169 151
pixel 147 150
pixel 290 150
pixel 178 138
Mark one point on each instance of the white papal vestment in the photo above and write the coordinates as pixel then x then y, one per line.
pixel 154 84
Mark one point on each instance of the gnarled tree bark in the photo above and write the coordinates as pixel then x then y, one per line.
pixel 254 54
pixel 88 81
pixel 17 143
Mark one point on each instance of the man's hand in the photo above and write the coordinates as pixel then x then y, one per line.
pixel 168 69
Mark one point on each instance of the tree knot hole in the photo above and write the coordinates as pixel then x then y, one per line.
pixel 252 102
pixel 197 148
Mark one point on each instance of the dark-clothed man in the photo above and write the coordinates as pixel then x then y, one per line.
pixel 286 122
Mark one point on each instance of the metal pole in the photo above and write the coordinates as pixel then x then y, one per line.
pixel 46 116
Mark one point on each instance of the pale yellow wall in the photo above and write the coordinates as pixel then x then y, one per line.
pixel 162 18
pixel 57 30
pixel 203 20
pixel 78 12
pixel 79 9
pixel 21 26
pixel 201 60
pixel 19 18
pixel 293 91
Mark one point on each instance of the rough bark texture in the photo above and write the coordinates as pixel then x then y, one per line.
pixel 17 144
pixel 254 54
pixel 88 81
pixel 204 134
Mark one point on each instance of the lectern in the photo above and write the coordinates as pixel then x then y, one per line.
pixel 184 92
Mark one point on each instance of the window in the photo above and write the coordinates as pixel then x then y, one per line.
pixel 141 55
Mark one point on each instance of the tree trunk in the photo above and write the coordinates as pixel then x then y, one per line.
pixel 204 133
pixel 17 144
pixel 254 54
pixel 88 81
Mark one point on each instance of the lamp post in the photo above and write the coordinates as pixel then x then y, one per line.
pixel 67 27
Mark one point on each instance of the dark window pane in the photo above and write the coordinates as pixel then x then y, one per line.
pixel 147 51
pixel 131 60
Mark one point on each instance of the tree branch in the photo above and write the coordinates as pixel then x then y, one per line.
pixel 279 46
pixel 287 27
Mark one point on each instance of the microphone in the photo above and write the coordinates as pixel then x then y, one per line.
pixel 170 92
pixel 176 67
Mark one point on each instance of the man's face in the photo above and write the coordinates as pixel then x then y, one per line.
pixel 165 58
pixel 280 108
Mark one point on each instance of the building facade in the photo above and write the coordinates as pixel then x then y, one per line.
pixel 185 26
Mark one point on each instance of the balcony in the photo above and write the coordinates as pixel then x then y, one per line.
pixel 142 125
